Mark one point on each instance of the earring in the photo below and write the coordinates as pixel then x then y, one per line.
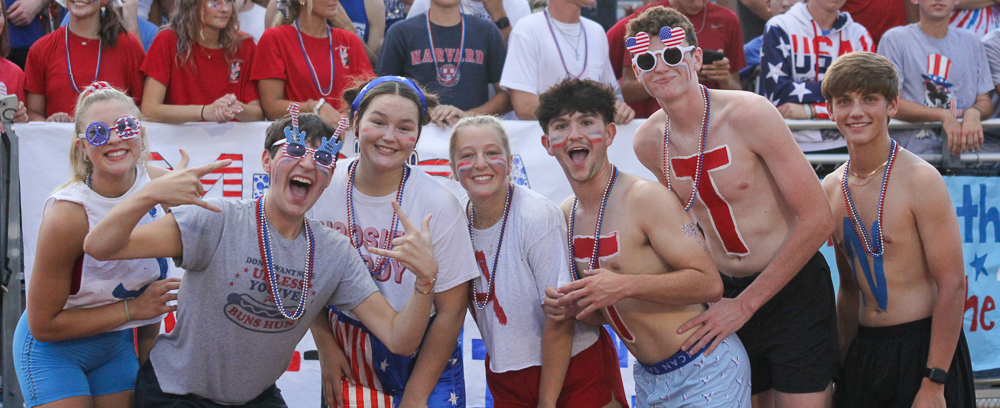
pixel 102 12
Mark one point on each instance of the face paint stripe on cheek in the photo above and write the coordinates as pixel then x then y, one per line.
pixel 595 136
pixel 464 167
pixel 557 141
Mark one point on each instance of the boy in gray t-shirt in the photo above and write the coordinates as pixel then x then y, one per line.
pixel 258 273
pixel 943 77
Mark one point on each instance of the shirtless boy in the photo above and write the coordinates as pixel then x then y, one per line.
pixel 662 258
pixel 899 253
pixel 732 162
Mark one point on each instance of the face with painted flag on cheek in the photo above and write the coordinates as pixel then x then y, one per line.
pixel 481 163
pixel 580 142
pixel 388 131
pixel 296 182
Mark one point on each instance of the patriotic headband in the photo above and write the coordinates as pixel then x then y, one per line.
pixel 670 36
pixel 390 78
pixel 96 86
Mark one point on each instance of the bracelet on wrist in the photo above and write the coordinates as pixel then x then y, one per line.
pixel 128 316
pixel 203 112
pixel 429 289
pixel 318 105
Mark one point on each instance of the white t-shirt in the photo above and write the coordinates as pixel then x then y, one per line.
pixel 252 22
pixel 533 256
pixel 422 195
pixel 106 282
pixel 533 64
pixel 515 9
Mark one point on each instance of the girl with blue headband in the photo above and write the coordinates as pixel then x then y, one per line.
pixel 387 115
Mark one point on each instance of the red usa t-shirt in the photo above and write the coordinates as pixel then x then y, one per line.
pixel 716 27
pixel 205 77
pixel 11 80
pixel 47 74
pixel 279 56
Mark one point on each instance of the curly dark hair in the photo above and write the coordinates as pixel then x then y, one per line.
pixel 575 95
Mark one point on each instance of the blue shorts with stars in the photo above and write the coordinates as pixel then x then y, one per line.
pixel 721 379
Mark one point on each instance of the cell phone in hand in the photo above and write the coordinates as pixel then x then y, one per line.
pixel 8 107
pixel 709 57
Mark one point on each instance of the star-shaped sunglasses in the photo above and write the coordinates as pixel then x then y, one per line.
pixel 98 133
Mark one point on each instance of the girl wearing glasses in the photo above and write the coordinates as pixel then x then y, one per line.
pixel 202 45
pixel 304 60
pixel 93 46
pixel 74 343
pixel 387 115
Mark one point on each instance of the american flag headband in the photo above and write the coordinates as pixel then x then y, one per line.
pixel 670 36
pixel 295 141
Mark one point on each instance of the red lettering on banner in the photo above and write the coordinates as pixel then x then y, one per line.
pixel 979 313
pixel 296 362
pixel 719 211
pixel 484 298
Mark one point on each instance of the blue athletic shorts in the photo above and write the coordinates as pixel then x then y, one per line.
pixel 50 371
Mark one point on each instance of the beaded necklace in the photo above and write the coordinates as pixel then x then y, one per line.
pixel 264 241
pixel 856 223
pixel 442 77
pixel 491 278
pixel 69 66
pixel 352 230
pixel 701 153
pixel 586 49
pixel 312 70
pixel 597 230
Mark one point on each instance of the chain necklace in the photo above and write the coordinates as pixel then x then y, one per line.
pixel 442 77
pixel 586 49
pixel 872 172
pixel 597 230
pixel 352 229
pixel 264 241
pixel 491 274
pixel 701 153
pixel 312 70
pixel 856 222
pixel 69 66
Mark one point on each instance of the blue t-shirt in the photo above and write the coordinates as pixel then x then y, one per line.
pixel 24 37
pixel 147 29
pixel 406 52
pixel 359 16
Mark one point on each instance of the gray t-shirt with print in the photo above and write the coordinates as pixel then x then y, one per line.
pixel 231 342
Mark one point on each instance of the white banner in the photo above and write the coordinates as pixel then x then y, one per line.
pixel 44 165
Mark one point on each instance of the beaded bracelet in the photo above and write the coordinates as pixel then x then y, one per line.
pixel 429 290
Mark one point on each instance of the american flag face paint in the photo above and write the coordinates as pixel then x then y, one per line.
pixel 561 129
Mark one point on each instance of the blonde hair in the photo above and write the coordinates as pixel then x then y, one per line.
pixel 80 166
pixel 487 121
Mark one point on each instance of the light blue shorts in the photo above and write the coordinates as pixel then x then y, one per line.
pixel 50 371
pixel 719 380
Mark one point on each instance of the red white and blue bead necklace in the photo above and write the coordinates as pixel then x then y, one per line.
pixel 69 66
pixel 597 230
pixel 586 50
pixel 701 153
pixel 491 279
pixel 312 70
pixel 352 228
pixel 856 222
pixel 442 77
pixel 264 241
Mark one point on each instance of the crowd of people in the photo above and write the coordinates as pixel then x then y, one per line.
pixel 722 296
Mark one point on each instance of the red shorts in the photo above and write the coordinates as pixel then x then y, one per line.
pixel 592 376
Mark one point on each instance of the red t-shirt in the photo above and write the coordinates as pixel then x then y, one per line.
pixel 205 77
pixel 11 79
pixel 716 27
pixel 279 56
pixel 47 73
pixel 878 16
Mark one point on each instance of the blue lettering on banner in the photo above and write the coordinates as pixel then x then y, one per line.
pixel 874 274
pixel 970 211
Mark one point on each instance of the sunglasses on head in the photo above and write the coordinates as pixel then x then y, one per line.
pixel 98 133
pixel 671 56
pixel 323 158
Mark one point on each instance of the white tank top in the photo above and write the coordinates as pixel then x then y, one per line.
pixel 101 283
